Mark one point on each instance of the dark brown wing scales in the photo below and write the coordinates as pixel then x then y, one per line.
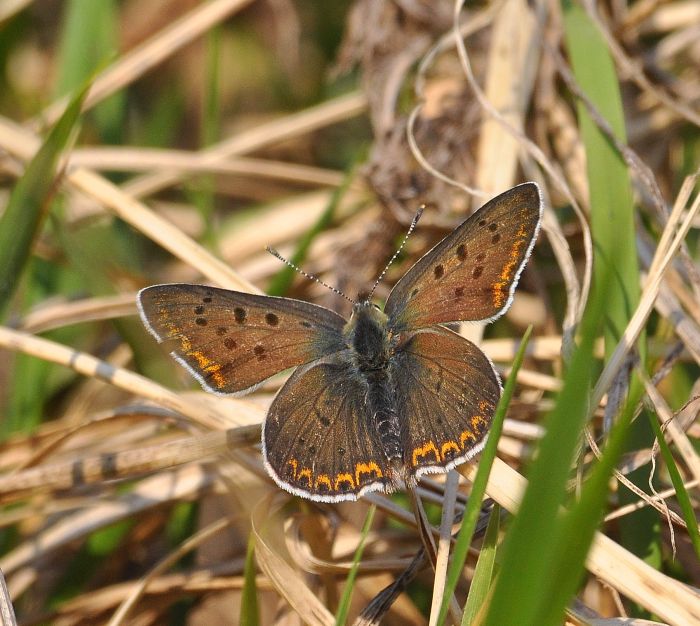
pixel 472 273
pixel 318 440
pixel 231 341
pixel 446 399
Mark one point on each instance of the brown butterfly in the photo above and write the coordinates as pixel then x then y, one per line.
pixel 377 400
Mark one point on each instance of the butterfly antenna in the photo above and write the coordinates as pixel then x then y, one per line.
pixel 296 268
pixel 419 212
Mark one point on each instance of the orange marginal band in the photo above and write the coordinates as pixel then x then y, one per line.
pixel 507 271
pixel 333 484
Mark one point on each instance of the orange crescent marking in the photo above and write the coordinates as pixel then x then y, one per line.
pixel 343 478
pixel 448 445
pixel 294 464
pixel 322 478
pixel 477 420
pixel 202 360
pixel 507 271
pixel 305 473
pixel 217 376
pixel 423 451
pixel 219 380
pixel 175 332
pixel 466 434
pixel 366 468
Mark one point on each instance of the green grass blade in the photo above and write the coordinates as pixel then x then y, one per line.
pixel 485 570
pixel 250 614
pixel 528 549
pixel 612 207
pixel 344 604
pixel 578 526
pixel 82 44
pixel 471 513
pixel 211 109
pixel 89 37
pixel 681 492
pixel 29 201
pixel 613 231
pixel 204 197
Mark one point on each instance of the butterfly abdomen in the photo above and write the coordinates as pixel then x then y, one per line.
pixel 381 402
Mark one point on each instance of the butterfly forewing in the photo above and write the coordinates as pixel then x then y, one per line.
pixel 318 438
pixel 446 400
pixel 472 273
pixel 232 341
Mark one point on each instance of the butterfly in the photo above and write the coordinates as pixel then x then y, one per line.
pixel 380 399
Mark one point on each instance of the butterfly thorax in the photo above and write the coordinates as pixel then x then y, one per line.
pixel 367 335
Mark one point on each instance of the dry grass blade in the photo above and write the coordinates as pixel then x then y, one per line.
pixel 381 603
pixel 7 612
pixel 159 230
pixel 444 544
pixel 289 126
pixel 679 437
pixel 151 53
pixel 124 464
pixel 9 8
pixel 663 258
pixel 188 482
pixel 58 315
pixel 190 163
pixel 635 72
pixel 193 542
pixel 517 31
pixel 661 495
pixel 284 578
pixel 88 365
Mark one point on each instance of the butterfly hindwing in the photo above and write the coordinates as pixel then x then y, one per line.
pixel 472 273
pixel 446 399
pixel 231 341
pixel 318 438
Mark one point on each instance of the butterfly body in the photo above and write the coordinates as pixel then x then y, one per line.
pixel 373 346
pixel 377 400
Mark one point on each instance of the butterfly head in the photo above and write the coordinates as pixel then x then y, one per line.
pixel 366 310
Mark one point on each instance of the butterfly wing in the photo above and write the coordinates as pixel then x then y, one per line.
pixel 318 440
pixel 472 273
pixel 446 395
pixel 231 341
